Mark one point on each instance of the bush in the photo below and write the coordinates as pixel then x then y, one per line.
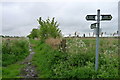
pixel 48 28
pixel 14 50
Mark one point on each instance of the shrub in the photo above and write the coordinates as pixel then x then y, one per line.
pixel 14 50
pixel 48 28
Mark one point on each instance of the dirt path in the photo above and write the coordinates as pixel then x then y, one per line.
pixel 29 71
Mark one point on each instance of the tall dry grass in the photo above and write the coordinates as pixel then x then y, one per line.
pixel 53 42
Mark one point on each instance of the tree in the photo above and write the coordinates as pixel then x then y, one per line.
pixel 83 35
pixel 34 34
pixel 101 34
pixel 117 32
pixel 48 28
pixel 75 34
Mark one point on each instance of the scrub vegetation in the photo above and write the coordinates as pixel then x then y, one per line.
pixel 14 50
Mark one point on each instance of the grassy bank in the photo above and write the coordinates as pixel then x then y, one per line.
pixel 76 62
pixel 14 52
pixel 12 71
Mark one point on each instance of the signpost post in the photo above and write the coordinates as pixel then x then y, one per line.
pixel 97 27
pixel 97 39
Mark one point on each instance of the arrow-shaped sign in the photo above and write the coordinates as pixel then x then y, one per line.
pixel 91 17
pixel 93 25
pixel 106 17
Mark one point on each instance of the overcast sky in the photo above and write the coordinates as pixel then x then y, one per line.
pixel 19 18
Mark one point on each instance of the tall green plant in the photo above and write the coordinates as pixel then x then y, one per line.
pixel 48 28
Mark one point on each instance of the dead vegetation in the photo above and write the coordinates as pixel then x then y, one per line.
pixel 54 43
pixel 57 43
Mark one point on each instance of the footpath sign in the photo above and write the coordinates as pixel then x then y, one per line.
pixel 106 17
pixel 93 26
pixel 91 17
pixel 96 26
